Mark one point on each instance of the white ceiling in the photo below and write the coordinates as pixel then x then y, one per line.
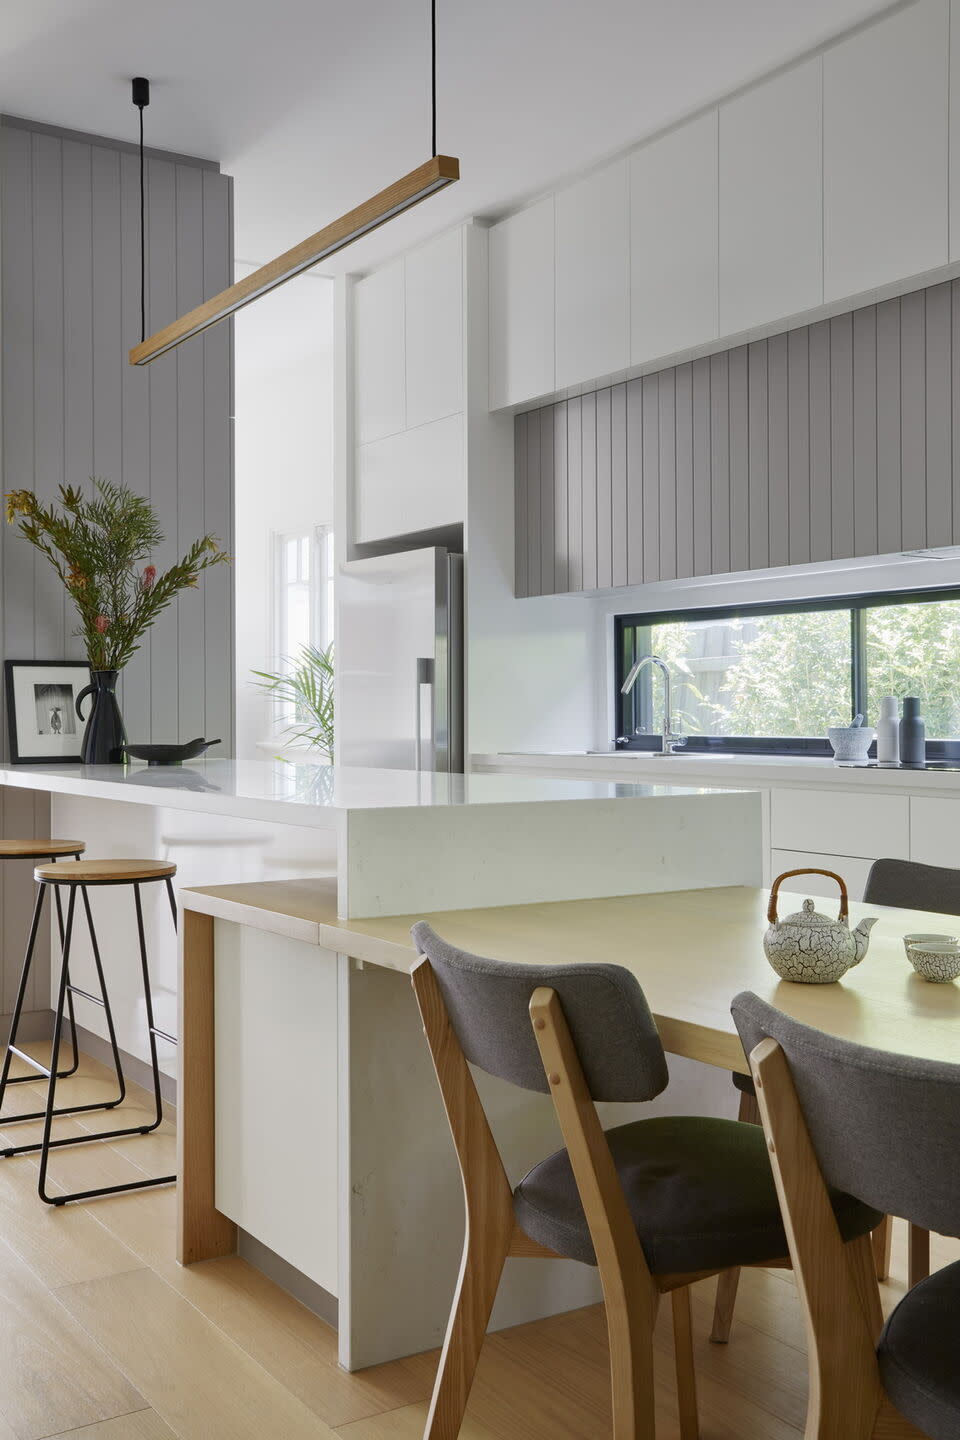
pixel 314 105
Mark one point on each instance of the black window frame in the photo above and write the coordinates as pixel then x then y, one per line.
pixel 634 711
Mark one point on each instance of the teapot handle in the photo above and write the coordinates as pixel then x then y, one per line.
pixel 788 874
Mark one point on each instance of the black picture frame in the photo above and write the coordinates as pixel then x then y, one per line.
pixel 33 687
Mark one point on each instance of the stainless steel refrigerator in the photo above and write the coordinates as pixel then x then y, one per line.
pixel 400 661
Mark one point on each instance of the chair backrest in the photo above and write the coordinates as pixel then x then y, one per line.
pixel 913 886
pixel 608 1016
pixel 885 1127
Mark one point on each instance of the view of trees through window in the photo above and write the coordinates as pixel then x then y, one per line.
pixel 791 674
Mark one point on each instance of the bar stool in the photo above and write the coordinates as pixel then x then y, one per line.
pixel 51 851
pixel 79 876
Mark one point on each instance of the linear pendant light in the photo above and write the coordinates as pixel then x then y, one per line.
pixel 436 174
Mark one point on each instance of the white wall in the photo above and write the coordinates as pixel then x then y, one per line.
pixel 284 462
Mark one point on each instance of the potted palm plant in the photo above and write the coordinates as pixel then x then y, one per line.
pixel 304 690
pixel 100 546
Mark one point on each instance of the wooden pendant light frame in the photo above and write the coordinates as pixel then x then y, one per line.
pixel 436 174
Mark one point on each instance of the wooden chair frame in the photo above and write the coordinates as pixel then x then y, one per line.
pixel 729 1281
pixel 837 1282
pixel 631 1293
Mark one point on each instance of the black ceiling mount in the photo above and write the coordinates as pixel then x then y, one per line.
pixel 141 91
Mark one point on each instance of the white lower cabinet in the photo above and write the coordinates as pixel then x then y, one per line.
pixel 823 822
pixel 935 831
pixel 853 869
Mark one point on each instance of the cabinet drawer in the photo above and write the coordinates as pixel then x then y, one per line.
pixel 935 831
pixel 829 823
pixel 854 872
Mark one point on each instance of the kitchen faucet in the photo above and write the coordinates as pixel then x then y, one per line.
pixel 669 741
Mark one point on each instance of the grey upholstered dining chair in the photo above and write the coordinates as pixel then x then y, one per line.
pixel 912 886
pixel 654 1204
pixel 907 885
pixel 886 1128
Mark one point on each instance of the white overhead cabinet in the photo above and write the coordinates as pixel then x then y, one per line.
pixel 593 276
pixel 771 200
pixel 673 241
pixel 885 125
pixel 522 300
pixel 433 309
pixel 380 379
pixel 408 393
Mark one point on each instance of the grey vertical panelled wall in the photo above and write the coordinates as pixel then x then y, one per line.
pixel 837 439
pixel 73 407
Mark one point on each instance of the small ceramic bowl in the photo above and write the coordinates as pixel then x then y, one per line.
pixel 851 742
pixel 923 940
pixel 937 962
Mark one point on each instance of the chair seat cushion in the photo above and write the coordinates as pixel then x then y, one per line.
pixel 700 1192
pixel 919 1355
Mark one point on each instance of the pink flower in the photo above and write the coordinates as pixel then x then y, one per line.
pixel 102 624
pixel 149 577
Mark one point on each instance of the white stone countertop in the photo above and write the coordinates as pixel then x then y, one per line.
pixel 309 794
pixel 740 771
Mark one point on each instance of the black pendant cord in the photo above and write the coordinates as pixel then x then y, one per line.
pixel 433 77
pixel 141 98
pixel 143 243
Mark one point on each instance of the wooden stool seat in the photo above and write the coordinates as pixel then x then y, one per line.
pixel 39 849
pixel 104 872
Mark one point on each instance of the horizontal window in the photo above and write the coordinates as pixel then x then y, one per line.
pixel 773 678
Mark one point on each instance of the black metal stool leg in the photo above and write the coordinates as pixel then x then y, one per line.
pixel 12 1050
pixel 55 1048
pixel 104 1001
pixel 47 1144
pixel 152 1031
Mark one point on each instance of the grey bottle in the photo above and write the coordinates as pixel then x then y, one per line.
pixel 913 733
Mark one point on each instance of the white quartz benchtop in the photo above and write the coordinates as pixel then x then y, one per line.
pixel 309 794
pixel 733 770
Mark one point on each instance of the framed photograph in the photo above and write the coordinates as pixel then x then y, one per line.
pixel 41 709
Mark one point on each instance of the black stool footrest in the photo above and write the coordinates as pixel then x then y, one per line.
pixel 95 999
pixel 164 1035
pixel 109 1190
pixel 22 1055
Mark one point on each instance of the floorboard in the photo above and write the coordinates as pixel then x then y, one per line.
pixel 104 1337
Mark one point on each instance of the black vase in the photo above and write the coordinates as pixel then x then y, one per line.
pixel 104 736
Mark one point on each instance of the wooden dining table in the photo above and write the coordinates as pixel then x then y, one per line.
pixel 692 951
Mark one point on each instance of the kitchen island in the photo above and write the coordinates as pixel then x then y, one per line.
pixel 310 1126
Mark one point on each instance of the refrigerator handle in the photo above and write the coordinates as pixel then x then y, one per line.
pixel 425 676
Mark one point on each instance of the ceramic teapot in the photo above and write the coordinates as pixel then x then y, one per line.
pixel 810 948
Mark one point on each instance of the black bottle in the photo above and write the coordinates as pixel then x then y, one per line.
pixel 913 734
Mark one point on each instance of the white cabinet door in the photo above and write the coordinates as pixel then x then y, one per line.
pixel 770 200
pixel 593 276
pixel 885 151
pixel 840 823
pixel 853 870
pixel 522 300
pixel 934 831
pixel 673 241
pixel 378 356
pixel 411 481
pixel 433 325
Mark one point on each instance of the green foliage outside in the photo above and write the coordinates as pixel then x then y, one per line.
pixel 100 546
pixel 792 677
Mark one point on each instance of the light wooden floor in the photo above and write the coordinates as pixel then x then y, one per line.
pixel 104 1337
